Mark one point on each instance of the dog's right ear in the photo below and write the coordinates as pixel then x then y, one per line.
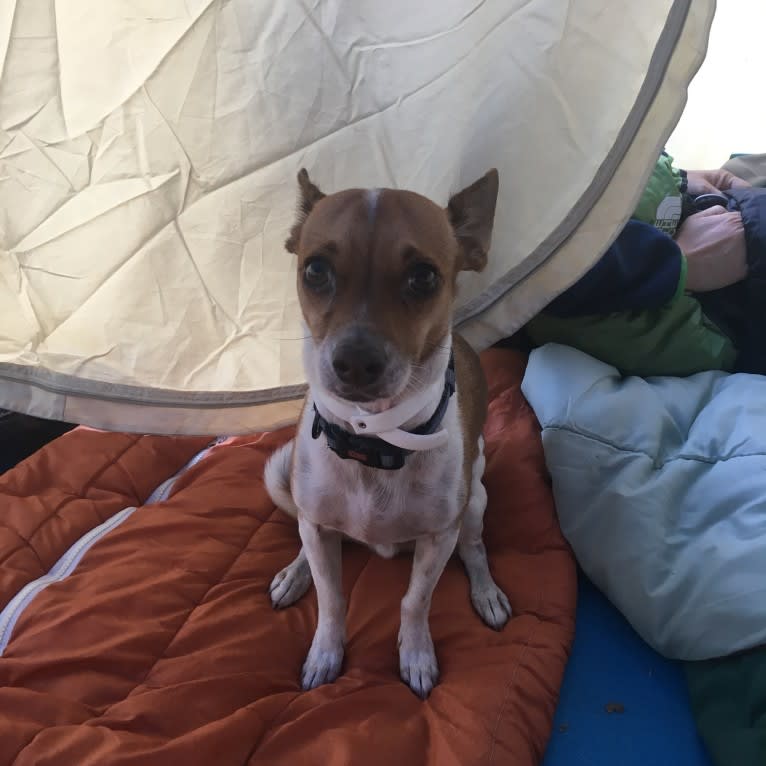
pixel 472 215
pixel 309 195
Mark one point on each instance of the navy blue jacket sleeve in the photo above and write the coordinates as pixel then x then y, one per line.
pixel 640 271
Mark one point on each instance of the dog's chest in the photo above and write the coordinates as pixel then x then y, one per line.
pixel 379 507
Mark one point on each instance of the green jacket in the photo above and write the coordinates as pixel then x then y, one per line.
pixel 677 339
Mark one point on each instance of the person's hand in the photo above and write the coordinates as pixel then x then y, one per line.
pixel 713 242
pixel 712 181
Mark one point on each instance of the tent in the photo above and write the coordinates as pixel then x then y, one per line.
pixel 149 151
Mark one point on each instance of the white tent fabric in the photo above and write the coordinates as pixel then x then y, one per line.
pixel 721 115
pixel 148 151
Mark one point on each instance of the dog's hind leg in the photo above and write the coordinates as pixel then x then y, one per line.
pixel 276 477
pixel 293 581
pixel 487 598
pixel 290 583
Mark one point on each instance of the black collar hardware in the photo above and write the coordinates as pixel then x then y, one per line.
pixel 374 452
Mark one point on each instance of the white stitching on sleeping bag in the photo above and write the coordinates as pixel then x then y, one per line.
pixel 68 562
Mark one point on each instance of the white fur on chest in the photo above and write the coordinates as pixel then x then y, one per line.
pixel 377 507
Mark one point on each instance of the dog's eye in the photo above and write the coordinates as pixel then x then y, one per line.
pixel 422 280
pixel 317 274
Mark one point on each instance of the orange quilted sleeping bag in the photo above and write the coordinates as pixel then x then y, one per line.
pixel 150 638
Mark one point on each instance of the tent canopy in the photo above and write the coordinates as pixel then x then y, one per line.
pixel 148 153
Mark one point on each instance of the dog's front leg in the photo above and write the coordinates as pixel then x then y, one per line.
pixel 417 659
pixel 323 551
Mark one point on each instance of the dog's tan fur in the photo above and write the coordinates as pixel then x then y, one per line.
pixel 472 401
pixel 436 502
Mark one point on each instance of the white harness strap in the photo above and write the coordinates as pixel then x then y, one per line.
pixel 386 425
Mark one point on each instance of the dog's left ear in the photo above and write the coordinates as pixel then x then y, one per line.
pixel 308 195
pixel 472 214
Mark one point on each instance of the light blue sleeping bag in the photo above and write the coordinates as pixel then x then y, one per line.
pixel 660 486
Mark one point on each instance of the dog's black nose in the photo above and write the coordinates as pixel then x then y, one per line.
pixel 359 361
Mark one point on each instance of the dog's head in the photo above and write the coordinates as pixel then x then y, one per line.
pixel 377 272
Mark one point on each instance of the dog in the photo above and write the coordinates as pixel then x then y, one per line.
pixel 388 450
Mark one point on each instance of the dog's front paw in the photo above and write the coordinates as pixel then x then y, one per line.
pixel 290 584
pixel 418 669
pixel 492 605
pixel 322 666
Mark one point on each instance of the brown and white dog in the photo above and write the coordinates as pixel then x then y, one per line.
pixel 384 454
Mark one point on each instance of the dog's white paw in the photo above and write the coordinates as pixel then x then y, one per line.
pixel 290 584
pixel 419 669
pixel 492 605
pixel 322 666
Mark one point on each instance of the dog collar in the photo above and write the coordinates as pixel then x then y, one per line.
pixel 377 441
